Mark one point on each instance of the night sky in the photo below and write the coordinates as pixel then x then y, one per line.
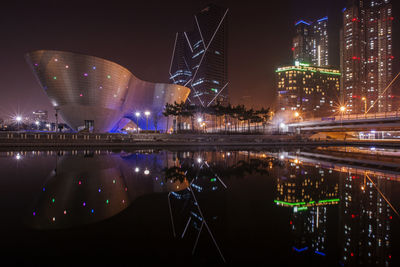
pixel 140 35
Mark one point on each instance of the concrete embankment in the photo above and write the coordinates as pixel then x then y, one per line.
pixel 63 140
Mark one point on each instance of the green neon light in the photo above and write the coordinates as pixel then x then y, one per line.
pixel 308 70
pixel 302 208
pixel 329 200
pixel 328 72
pixel 213 179
pixel 304 203
pixel 304 64
pixel 215 90
pixel 288 203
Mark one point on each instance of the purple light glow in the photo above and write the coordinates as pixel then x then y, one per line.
pixel 85 74
pixel 84 204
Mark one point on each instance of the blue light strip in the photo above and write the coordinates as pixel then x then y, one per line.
pixel 300 250
pixel 302 21
pixel 324 18
pixel 320 253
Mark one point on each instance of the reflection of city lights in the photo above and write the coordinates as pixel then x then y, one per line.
pixel 282 157
pixel 137 169
pixel 199 160
pixel 18 157
pixel 296 161
pixel 146 172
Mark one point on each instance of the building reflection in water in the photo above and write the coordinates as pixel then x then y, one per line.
pixel 308 190
pixel 365 217
pixel 199 211
pixel 89 187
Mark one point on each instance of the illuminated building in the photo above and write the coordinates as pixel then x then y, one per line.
pixel 313 91
pixel 310 43
pixel 366 55
pixel 97 95
pixel 200 57
pixel 40 115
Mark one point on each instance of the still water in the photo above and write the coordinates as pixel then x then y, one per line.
pixel 314 207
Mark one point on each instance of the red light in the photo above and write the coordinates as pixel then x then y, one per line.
pixel 352 254
pixel 390 217
pixel 354 19
pixel 291 222
pixel 353 216
pixel 292 48
pixel 390 256
pixel 391 18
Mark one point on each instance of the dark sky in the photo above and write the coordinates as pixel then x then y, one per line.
pixel 140 36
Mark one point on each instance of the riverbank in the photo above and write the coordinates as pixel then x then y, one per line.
pixel 62 140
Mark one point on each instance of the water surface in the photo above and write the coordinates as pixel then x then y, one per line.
pixel 315 207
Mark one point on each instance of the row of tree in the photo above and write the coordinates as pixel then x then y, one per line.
pixel 222 117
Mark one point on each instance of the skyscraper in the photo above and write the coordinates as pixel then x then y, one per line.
pixel 366 56
pixel 199 60
pixel 310 44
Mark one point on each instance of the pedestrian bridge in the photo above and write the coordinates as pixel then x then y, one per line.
pixel 385 121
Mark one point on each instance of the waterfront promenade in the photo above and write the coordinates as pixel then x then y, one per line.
pixel 53 140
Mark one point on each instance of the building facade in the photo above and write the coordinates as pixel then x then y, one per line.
pixel 200 57
pixel 366 56
pixel 40 115
pixel 98 95
pixel 310 43
pixel 310 91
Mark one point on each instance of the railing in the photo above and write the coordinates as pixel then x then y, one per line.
pixel 380 115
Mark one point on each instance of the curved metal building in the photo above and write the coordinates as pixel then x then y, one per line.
pixel 95 93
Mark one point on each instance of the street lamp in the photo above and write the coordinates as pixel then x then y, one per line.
pixel 137 114
pixel 18 119
pixel 365 105
pixel 147 114
pixel 37 124
pixel 342 110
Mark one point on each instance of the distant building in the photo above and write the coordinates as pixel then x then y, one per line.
pixel 200 57
pixel 311 91
pixel 310 43
pixel 40 115
pixel 367 56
